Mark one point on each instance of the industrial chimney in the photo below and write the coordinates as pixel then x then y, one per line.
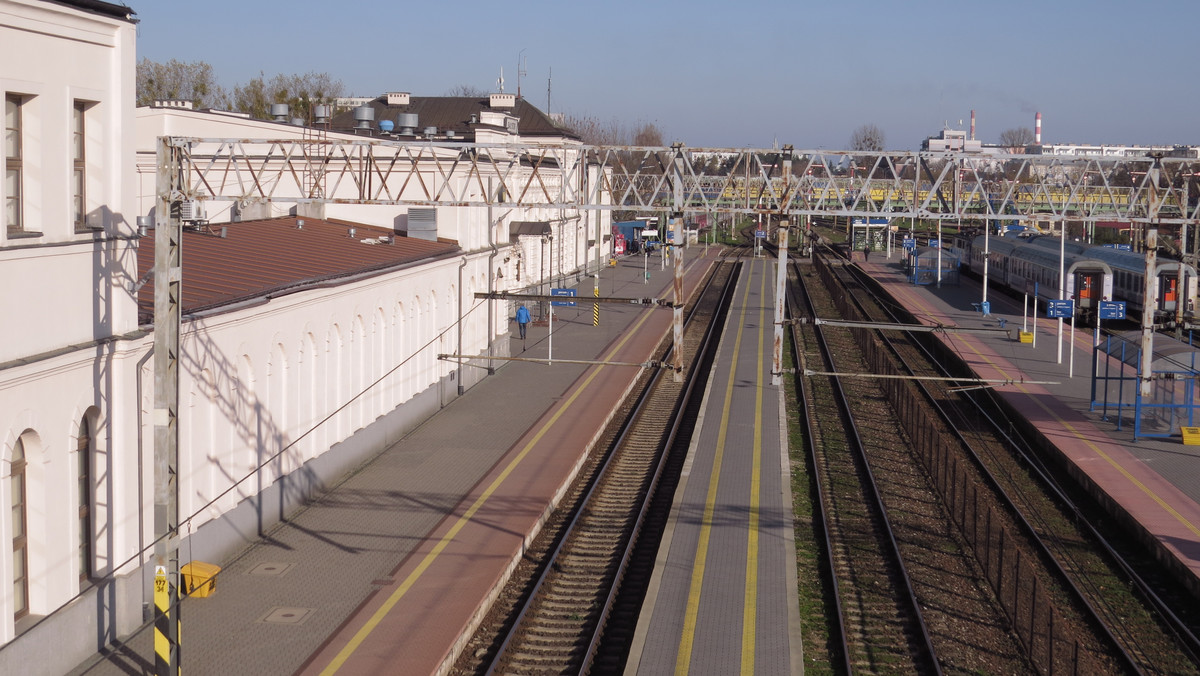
pixel 1037 130
pixel 972 125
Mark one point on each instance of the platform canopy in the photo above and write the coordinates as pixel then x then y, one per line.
pixel 1170 356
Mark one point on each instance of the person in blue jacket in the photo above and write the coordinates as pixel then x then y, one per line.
pixel 522 319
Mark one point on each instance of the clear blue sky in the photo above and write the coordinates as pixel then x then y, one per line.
pixel 738 73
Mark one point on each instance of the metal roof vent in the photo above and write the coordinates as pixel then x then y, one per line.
pixel 321 113
pixel 279 111
pixel 297 121
pixel 364 115
pixel 450 134
pixel 431 131
pixel 407 123
pixel 192 211
pixel 398 98
pixel 502 100
pixel 173 103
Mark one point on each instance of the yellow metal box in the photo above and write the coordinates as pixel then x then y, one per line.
pixel 1191 436
pixel 199 578
pixel 1026 336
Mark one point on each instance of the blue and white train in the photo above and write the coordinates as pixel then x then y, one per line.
pixel 1093 273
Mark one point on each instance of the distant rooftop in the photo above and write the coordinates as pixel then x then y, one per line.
pixel 461 116
pixel 277 256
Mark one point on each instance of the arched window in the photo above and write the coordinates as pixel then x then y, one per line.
pixel 20 543
pixel 83 473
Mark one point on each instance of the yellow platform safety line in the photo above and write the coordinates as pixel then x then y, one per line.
pixel 683 660
pixel 750 606
pixel 340 659
pixel 1146 490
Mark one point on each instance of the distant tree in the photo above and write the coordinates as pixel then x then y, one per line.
pixel 193 81
pixel 300 92
pixel 1016 138
pixel 648 135
pixel 867 137
pixel 465 91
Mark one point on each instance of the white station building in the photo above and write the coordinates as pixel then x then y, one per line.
pixel 310 336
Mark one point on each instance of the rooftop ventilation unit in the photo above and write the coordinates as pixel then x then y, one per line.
pixel 386 126
pixel 364 115
pixel 321 114
pixel 430 131
pixel 502 100
pixel 173 103
pixel 297 121
pixel 407 123
pixel 191 211
pixel 398 99
pixel 279 111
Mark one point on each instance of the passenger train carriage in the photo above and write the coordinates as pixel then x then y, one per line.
pixel 1094 273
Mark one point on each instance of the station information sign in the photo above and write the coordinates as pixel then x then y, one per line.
pixel 563 292
pixel 1060 308
pixel 1112 309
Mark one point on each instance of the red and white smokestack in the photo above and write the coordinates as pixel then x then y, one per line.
pixel 972 125
pixel 1037 130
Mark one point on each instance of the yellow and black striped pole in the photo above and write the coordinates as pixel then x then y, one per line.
pixel 166 614
pixel 596 307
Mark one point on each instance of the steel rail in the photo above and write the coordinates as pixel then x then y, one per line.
pixel 819 483
pixel 855 437
pixel 990 478
pixel 498 659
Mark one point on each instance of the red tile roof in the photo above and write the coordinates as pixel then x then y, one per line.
pixel 271 257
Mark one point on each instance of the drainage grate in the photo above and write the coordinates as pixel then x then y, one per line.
pixel 270 569
pixel 287 615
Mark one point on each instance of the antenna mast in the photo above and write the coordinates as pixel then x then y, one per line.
pixel 520 70
pixel 549 80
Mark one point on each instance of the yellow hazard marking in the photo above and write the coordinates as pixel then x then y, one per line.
pixel 683 659
pixel 162 602
pixel 427 561
pixel 750 605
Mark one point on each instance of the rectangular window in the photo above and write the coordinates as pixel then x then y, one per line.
pixel 12 164
pixel 78 178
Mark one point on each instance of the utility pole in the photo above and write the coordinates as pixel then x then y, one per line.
pixel 168 278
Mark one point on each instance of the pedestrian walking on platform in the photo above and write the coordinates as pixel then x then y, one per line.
pixel 522 319
pixel 866 251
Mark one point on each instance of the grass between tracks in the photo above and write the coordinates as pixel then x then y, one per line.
pixel 812 591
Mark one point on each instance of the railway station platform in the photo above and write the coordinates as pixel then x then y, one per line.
pixel 1152 484
pixel 388 571
pixel 723 598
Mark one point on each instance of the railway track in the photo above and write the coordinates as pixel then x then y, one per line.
pixel 880 625
pixel 1120 613
pixel 573 607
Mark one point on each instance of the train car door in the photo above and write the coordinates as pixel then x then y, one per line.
pixel 1086 288
pixel 1168 292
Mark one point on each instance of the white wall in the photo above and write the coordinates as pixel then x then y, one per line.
pixel 52 56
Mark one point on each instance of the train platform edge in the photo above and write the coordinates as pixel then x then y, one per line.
pixel 1153 484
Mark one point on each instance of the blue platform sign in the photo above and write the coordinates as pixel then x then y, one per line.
pixel 760 234
pixel 1060 308
pixel 563 292
pixel 1112 309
